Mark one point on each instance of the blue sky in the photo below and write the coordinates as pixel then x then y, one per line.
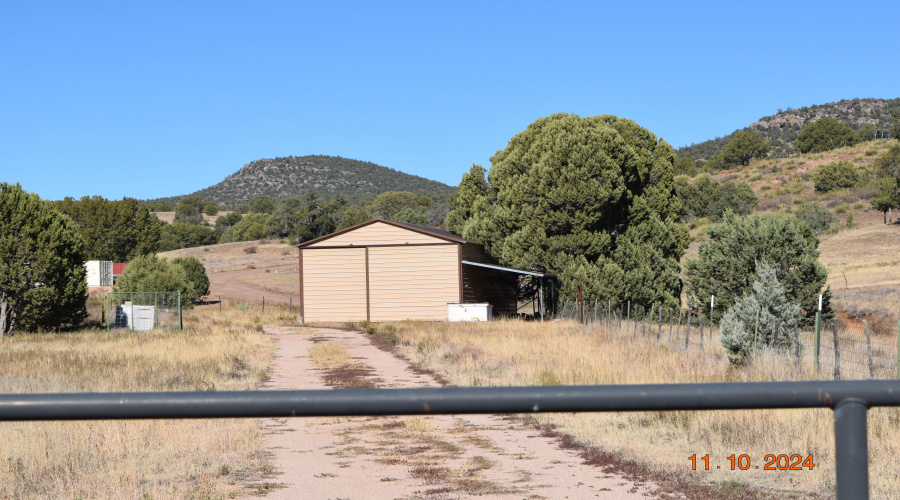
pixel 153 99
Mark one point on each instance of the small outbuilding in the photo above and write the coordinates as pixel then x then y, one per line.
pixel 384 270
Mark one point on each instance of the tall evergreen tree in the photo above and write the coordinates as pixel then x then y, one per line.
pixel 42 275
pixel 116 230
pixel 567 192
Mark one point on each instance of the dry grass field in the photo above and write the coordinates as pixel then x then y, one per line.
pixel 137 459
pixel 503 353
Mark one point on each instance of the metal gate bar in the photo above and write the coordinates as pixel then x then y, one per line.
pixel 849 399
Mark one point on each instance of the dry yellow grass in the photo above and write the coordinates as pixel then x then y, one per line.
pixel 233 256
pixel 284 281
pixel 329 355
pixel 868 255
pixel 134 459
pixel 517 353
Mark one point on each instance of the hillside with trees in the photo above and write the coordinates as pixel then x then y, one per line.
pixel 294 176
pixel 864 116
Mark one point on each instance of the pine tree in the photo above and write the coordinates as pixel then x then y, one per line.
pixel 764 317
pixel 567 193
pixel 42 275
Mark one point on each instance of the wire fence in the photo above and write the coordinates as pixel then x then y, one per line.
pixel 843 349
pixel 142 310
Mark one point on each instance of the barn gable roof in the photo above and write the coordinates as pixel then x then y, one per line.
pixel 426 230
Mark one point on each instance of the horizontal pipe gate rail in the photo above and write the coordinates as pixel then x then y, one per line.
pixel 848 399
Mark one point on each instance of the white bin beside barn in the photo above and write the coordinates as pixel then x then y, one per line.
pixel 469 312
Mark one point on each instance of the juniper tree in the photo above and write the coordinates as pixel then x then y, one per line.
pixel 589 199
pixel 150 273
pixel 727 261
pixel 825 134
pixel 42 275
pixel 764 317
pixel 743 147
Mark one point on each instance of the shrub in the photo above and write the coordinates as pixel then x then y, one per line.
pixel 728 259
pixel 195 274
pixel 764 317
pixel 834 176
pixel 825 134
pixel 150 273
pixel 819 218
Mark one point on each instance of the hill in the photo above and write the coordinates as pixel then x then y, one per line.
pixel 295 175
pixel 783 127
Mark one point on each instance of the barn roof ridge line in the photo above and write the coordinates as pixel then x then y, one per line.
pixel 426 230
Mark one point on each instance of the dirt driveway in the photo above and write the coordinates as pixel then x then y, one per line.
pixel 437 457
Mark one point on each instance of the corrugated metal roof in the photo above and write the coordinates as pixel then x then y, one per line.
pixel 427 230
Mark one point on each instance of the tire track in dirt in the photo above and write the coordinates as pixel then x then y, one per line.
pixel 435 457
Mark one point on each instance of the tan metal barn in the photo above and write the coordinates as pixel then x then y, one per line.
pixel 383 270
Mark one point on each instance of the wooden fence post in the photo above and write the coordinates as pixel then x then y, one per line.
pixel 659 331
pixel 580 305
pixel 837 351
pixel 869 350
pixel 687 334
pixel 700 321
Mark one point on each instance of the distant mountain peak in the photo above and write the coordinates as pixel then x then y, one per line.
pixel 292 176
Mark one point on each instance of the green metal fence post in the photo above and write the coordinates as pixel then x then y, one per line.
pixel 180 324
pixel 156 310
pixel 131 318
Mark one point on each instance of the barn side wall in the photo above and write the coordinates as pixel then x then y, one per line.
pixel 334 284
pixel 415 282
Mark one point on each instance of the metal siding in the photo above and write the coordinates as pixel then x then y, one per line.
pixel 413 282
pixel 334 285
pixel 377 233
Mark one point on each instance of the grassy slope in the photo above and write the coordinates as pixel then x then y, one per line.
pixel 868 254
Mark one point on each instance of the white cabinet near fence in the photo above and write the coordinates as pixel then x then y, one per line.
pixel 469 312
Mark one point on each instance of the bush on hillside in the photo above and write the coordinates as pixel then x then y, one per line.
pixel 818 217
pixel 834 176
pixel 825 134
